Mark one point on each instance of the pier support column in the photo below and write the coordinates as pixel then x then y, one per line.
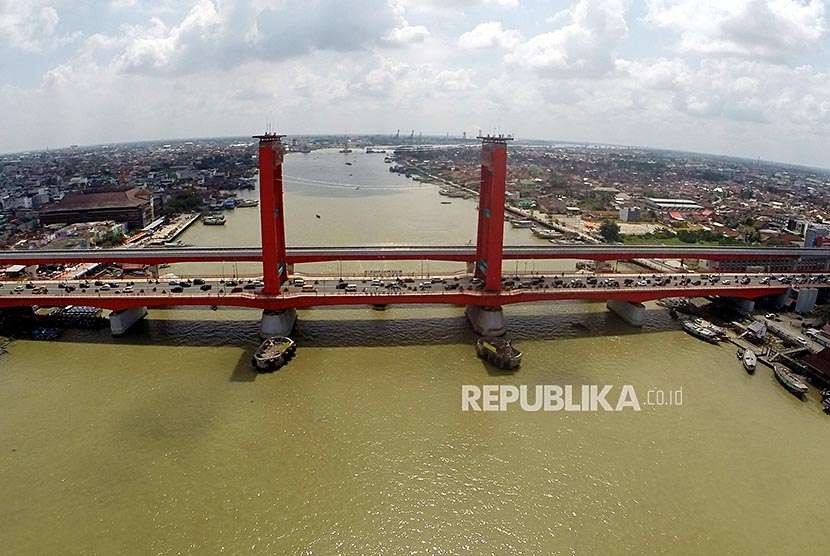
pixel 487 321
pixel 153 271
pixel 277 323
pixel 471 268
pixel 271 214
pixel 632 313
pixel 121 321
pixel 490 235
pixel 779 301
pixel 806 300
pixel 743 306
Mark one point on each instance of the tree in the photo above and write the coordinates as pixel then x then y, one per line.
pixel 610 231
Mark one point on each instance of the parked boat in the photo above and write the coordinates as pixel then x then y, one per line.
pixel 789 380
pixel 522 223
pixel 246 203
pixel 700 332
pixel 825 405
pixel 214 220
pixel 545 233
pixel 273 353
pixel 749 360
pixel 717 330
pixel 500 352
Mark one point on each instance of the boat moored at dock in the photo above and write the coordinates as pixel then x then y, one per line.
pixel 699 331
pixel 789 380
pixel 749 360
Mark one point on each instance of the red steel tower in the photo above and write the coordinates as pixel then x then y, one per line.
pixel 489 242
pixel 271 213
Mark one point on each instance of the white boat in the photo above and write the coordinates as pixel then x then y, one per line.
pixel 522 223
pixel 749 360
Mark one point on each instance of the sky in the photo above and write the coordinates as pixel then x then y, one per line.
pixel 737 77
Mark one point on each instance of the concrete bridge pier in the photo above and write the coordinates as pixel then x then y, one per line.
pixel 471 267
pixel 277 323
pixel 806 300
pixel 780 301
pixel 487 321
pixel 121 321
pixel 153 271
pixel 743 306
pixel 632 313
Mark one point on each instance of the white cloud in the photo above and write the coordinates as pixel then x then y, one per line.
pixel 770 29
pixel 27 24
pixel 583 46
pixel 222 34
pixel 488 35
pixel 407 34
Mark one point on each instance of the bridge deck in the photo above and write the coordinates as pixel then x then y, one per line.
pixel 297 255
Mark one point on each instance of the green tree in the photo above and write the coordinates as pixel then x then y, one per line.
pixel 610 231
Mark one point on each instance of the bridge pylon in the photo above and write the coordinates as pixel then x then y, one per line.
pixel 490 237
pixel 271 212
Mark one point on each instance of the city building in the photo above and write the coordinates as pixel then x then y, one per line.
pixel 132 206
pixel 630 214
pixel 816 235
pixel 674 205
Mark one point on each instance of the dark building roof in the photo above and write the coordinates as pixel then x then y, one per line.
pixel 130 198
pixel 820 362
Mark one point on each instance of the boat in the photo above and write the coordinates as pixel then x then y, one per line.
pixel 273 353
pixel 246 203
pixel 214 220
pixel 522 223
pixel 545 233
pixel 229 203
pixel 499 352
pixel 446 202
pixel 717 330
pixel 700 332
pixel 825 405
pixel 749 360
pixel 789 380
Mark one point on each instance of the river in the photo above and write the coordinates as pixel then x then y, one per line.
pixel 165 442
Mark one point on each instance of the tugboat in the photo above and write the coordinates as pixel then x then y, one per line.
pixel 749 360
pixel 789 380
pixel 698 331
pixel 499 352
pixel 273 353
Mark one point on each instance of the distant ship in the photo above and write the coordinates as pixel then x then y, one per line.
pixel 246 203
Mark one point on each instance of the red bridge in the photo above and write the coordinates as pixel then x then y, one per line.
pixel 483 288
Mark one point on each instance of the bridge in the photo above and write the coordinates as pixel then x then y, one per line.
pixel 483 289
pixel 299 255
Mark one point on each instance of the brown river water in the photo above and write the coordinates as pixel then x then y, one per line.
pixel 165 441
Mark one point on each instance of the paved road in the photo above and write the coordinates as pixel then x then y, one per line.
pixel 309 286
pixel 441 253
